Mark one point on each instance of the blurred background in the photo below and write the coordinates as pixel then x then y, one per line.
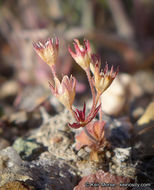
pixel 122 32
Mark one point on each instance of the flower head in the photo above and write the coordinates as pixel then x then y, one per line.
pixel 102 80
pixel 48 51
pixel 81 119
pixel 64 91
pixel 82 54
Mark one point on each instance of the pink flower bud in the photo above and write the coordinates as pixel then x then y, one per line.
pixel 82 55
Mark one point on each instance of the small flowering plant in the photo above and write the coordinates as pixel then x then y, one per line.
pixel 99 80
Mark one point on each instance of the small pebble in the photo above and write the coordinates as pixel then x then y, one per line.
pixel 108 154
pixel 4 143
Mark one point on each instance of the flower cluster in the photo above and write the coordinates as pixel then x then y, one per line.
pixel 99 80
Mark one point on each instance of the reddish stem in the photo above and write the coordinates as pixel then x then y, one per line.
pixel 100 110
pixel 91 84
pixel 53 71
pixel 94 106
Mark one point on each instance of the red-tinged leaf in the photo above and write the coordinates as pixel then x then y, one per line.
pixel 80 117
pixel 75 125
pixel 80 114
pixel 82 140
pixel 92 114
pixel 96 130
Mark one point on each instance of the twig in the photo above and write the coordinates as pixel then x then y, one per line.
pixel 121 19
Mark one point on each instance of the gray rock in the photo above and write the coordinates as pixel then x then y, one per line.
pixel 11 166
pixel 46 173
pixel 49 173
pixel 10 156
pixel 4 143
pixel 121 162
pixel 28 149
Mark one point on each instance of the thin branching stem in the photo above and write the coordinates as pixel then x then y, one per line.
pixel 91 85
pixel 97 98
pixel 100 110
pixel 53 71
pixel 94 105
